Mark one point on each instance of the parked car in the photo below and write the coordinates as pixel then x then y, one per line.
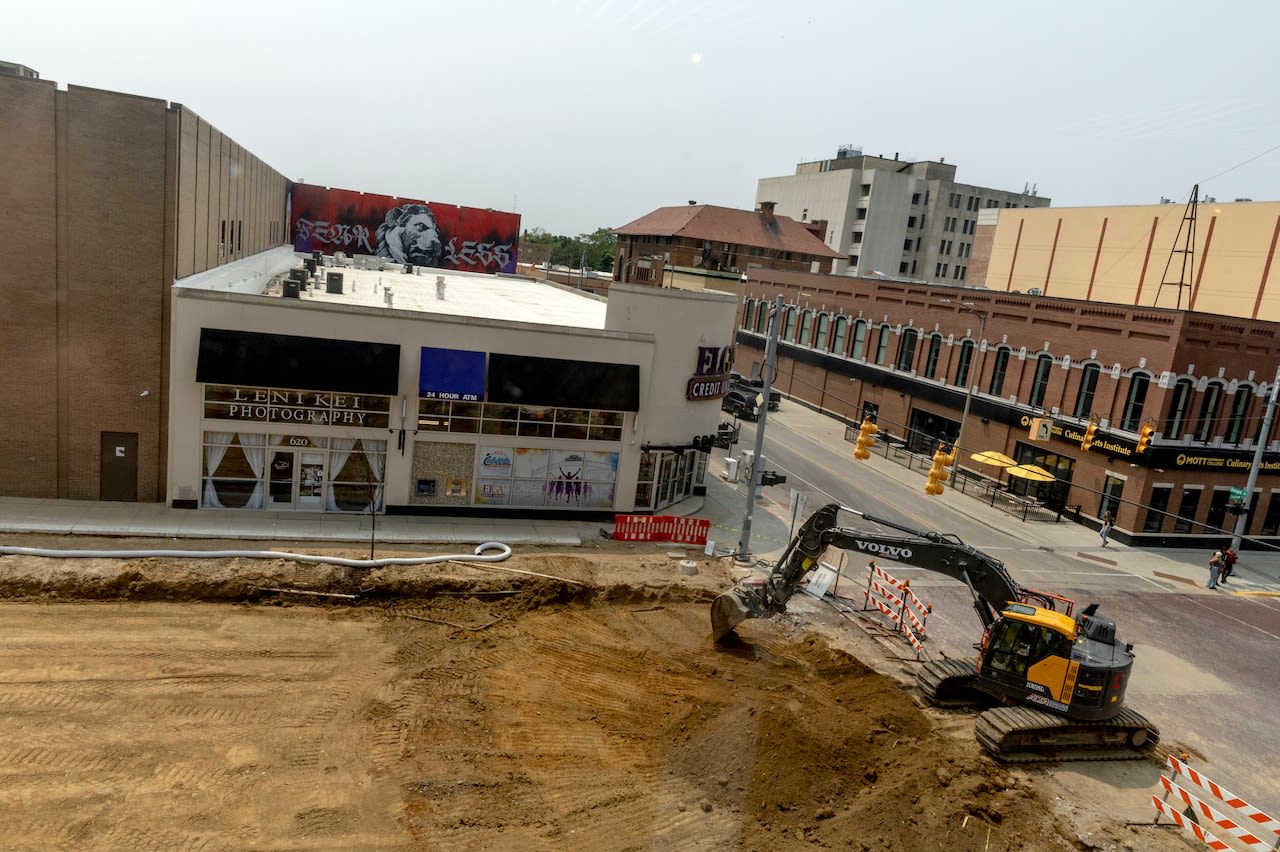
pixel 741 403
pixel 754 386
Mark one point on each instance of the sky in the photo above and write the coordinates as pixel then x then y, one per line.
pixel 583 114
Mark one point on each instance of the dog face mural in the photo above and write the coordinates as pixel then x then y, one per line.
pixel 410 235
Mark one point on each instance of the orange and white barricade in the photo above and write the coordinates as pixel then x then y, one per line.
pixel 660 528
pixel 895 600
pixel 1251 828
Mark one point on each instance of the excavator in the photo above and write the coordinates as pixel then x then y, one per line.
pixel 1054 682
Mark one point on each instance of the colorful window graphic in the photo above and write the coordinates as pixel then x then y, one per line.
pixel 531 476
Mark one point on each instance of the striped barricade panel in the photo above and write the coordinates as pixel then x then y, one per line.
pixel 1189 826
pixel 690 530
pixel 633 528
pixel 1252 823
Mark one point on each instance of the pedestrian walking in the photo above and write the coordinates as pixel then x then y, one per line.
pixel 1215 568
pixel 1107 522
pixel 1229 557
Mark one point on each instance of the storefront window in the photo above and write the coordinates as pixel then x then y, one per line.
pixel 1187 510
pixel 1157 510
pixel 574 424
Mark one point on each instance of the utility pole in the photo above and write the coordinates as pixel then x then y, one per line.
pixel 1263 437
pixel 757 465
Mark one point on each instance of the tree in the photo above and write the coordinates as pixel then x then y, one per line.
pixel 594 250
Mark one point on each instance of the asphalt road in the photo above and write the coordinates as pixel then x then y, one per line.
pixel 1206 663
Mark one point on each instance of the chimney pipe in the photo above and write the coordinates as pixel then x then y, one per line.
pixel 766 211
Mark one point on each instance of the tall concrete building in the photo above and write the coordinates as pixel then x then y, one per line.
pixel 891 218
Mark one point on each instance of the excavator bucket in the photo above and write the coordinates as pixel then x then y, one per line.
pixel 727 612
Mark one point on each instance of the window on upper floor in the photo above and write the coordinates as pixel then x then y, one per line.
pixel 911 221
pixel 1134 402
pixel 861 214
pixel 859 339
pixel 1088 387
pixel 964 363
pixel 824 328
pixel 882 345
pixel 806 327
pixel 853 260
pixel 931 357
pixel 1040 382
pixel 915 198
pixel 998 371
pixel 1210 400
pixel 866 189
pixel 748 311
pixel 840 338
pixel 1239 409
pixel 857 237
pixel 902 268
pixel 907 350
pixel 1175 421
pixel 789 324
pixel 762 318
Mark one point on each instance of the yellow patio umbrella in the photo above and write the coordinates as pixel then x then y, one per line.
pixel 993 458
pixel 1031 472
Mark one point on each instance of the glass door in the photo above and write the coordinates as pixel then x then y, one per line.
pixel 311 481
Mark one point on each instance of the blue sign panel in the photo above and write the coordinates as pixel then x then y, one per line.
pixel 451 374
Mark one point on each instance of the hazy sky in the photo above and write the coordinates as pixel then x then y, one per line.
pixel 580 115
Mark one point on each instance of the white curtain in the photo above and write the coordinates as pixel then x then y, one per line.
pixel 339 452
pixel 216 444
pixel 254 447
pixel 374 453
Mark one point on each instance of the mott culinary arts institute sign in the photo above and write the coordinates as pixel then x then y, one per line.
pixel 1240 460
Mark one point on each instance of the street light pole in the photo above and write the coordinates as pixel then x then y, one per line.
pixel 757 463
pixel 969 307
pixel 1243 518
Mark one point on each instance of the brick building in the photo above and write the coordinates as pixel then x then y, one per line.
pixel 702 246
pixel 107 198
pixel 911 355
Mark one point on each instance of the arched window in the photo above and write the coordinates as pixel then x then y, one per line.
pixel 859 339
pixel 1175 422
pixel 762 318
pixel 789 324
pixel 1040 384
pixel 806 328
pixel 824 328
pixel 907 349
pixel 964 363
pixel 1209 404
pixel 996 388
pixel 1134 402
pixel 931 358
pixel 1239 408
pixel 882 345
pixel 841 335
pixel 1088 387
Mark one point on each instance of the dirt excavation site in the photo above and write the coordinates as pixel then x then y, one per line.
pixel 166 703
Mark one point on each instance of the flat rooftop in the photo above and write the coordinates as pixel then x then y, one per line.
pixel 488 297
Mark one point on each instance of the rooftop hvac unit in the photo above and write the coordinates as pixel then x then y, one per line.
pixel 310 264
pixel 290 289
pixel 333 283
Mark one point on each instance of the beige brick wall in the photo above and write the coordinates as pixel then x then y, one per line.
pixel 106 198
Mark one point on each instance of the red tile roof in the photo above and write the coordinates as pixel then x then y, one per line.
pixel 729 225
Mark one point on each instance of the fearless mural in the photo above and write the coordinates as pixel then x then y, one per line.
pixel 404 230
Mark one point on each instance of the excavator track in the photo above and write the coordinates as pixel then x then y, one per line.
pixel 1024 735
pixel 949 683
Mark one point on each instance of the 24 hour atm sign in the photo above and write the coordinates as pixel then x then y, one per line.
pixel 711 375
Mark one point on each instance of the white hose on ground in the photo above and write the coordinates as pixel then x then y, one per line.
pixel 481 554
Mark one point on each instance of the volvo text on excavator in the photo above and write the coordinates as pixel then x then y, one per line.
pixel 1060 678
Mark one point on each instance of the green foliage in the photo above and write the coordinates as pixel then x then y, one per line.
pixel 595 250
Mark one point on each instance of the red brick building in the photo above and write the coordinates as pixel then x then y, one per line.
pixel 701 246
pixel 911 355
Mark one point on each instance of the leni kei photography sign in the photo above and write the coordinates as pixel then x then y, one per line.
pixel 277 405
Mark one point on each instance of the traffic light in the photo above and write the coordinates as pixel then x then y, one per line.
pixel 938 472
pixel 1087 441
pixel 771 477
pixel 1144 438
pixel 866 439
pixel 703 443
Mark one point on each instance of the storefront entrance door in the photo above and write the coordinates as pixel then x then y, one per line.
pixel 296 480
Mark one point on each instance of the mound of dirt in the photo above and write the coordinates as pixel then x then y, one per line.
pixel 568 702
